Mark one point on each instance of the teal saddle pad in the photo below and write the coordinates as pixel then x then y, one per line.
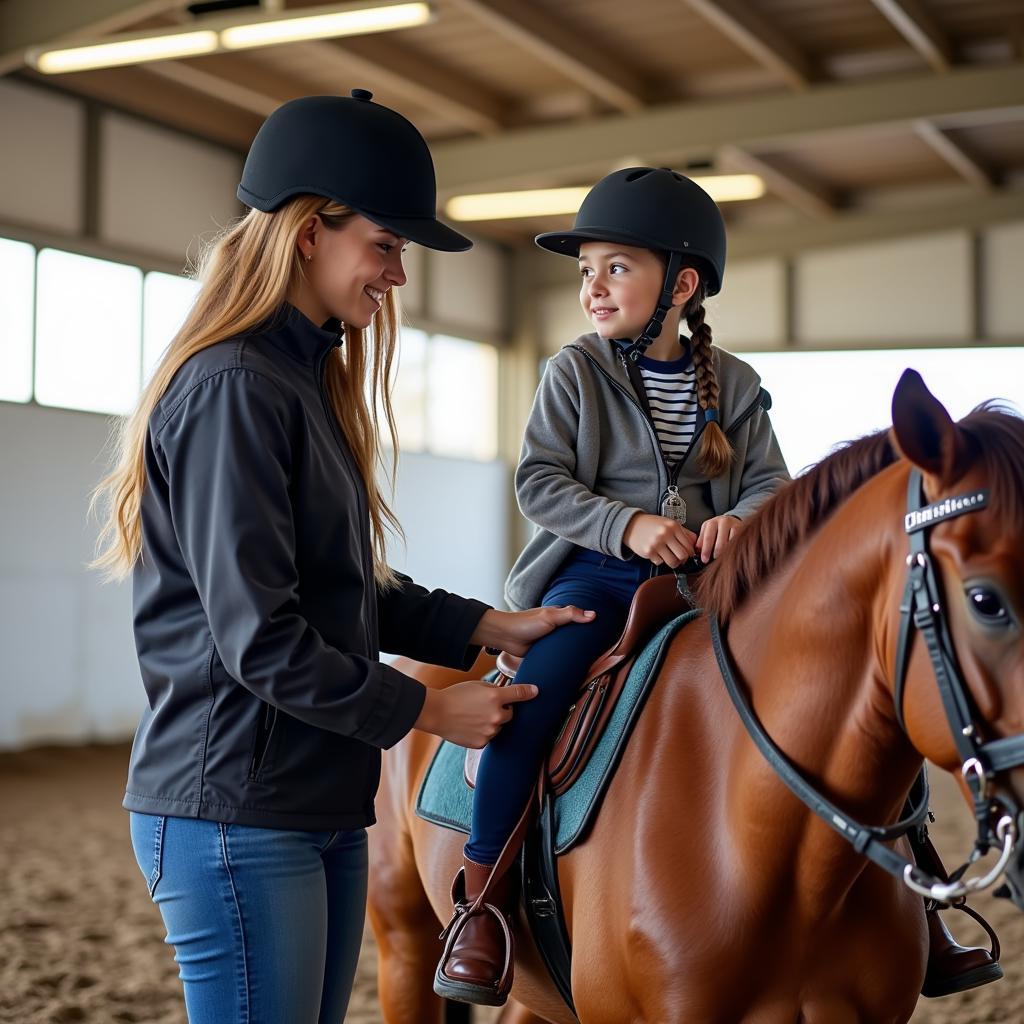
pixel 446 800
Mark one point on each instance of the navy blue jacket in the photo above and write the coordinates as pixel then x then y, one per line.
pixel 258 624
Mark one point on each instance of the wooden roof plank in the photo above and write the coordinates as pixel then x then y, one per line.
pixel 467 102
pixel 955 155
pixel 919 28
pixel 754 33
pixel 595 67
pixel 813 198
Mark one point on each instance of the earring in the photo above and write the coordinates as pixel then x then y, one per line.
pixel 309 256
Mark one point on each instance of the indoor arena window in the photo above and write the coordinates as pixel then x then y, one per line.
pixel 88 332
pixel 166 300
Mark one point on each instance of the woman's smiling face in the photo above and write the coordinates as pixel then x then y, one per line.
pixel 351 269
pixel 620 285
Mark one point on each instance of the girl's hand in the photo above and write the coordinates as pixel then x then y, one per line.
pixel 715 533
pixel 661 540
pixel 515 631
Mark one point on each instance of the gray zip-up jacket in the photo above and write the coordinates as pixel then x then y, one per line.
pixel 591 459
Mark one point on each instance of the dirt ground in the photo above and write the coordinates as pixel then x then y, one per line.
pixel 80 940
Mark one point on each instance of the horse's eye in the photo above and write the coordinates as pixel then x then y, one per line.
pixel 988 606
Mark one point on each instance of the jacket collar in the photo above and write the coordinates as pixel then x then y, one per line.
pixel 298 337
pixel 607 352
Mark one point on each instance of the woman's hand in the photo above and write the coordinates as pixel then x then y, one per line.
pixel 471 713
pixel 715 533
pixel 516 631
pixel 659 539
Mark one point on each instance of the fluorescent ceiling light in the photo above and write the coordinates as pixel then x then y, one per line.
pixel 541 202
pixel 210 35
pixel 319 26
pixel 126 51
pixel 548 202
pixel 728 188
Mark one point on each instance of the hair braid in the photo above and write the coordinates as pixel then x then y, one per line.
pixel 716 453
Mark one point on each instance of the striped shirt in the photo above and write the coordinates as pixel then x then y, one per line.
pixel 672 395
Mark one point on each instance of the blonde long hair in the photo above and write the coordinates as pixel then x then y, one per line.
pixel 247 273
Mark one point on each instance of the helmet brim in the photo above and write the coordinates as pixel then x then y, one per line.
pixel 567 243
pixel 428 232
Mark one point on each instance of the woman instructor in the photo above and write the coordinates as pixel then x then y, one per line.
pixel 245 504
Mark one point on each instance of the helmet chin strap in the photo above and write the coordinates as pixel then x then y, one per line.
pixel 653 329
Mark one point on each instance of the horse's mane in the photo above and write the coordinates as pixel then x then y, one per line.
pixel 995 434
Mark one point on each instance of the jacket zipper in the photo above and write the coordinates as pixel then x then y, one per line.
pixel 264 731
pixel 639 408
pixel 671 472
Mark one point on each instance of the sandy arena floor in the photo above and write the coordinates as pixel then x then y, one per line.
pixel 80 941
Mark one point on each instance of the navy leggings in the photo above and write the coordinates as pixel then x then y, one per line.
pixel 556 665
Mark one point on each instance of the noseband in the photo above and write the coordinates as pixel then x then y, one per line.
pixel 921 609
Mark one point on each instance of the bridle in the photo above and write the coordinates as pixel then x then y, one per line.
pixel 920 609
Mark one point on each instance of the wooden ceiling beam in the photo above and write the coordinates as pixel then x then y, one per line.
pixel 809 197
pixel 230 80
pixel 593 65
pixel 410 74
pixel 956 156
pixel 919 28
pixel 753 32
pixel 679 132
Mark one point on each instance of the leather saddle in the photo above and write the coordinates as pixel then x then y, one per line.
pixel 657 601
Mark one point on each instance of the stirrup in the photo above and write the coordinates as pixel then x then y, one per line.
pixel 465 991
pixel 983 974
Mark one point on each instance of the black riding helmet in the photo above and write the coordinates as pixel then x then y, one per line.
pixel 358 153
pixel 654 208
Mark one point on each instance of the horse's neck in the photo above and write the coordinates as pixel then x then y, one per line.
pixel 814 647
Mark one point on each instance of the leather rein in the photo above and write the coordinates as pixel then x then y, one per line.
pixel 921 609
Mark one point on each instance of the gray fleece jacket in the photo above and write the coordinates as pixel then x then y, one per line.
pixel 591 459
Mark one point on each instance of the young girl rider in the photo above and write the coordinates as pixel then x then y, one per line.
pixel 645 448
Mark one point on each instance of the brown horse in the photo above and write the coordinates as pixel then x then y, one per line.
pixel 706 893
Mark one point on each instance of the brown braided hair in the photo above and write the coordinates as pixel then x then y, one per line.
pixel 716 453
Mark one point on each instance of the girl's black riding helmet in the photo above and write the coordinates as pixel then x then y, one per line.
pixel 361 154
pixel 653 208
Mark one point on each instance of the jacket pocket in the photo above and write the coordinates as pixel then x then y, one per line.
pixel 266 728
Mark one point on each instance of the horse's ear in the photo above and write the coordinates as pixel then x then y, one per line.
pixel 925 434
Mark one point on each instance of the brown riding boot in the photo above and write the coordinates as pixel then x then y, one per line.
pixel 476 965
pixel 951 967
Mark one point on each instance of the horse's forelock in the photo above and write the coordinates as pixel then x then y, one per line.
pixel 790 515
pixel 997 433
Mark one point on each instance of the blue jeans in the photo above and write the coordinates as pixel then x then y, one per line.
pixel 556 665
pixel 266 923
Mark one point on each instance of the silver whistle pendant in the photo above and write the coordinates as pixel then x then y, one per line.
pixel 673 507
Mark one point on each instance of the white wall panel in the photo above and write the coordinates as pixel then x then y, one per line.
pixel 160 190
pixel 41 170
pixel 911 290
pixel 750 311
pixel 1003 268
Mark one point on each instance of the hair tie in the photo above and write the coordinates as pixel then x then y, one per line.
pixel 710 415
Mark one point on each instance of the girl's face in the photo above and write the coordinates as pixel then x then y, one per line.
pixel 619 287
pixel 350 271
